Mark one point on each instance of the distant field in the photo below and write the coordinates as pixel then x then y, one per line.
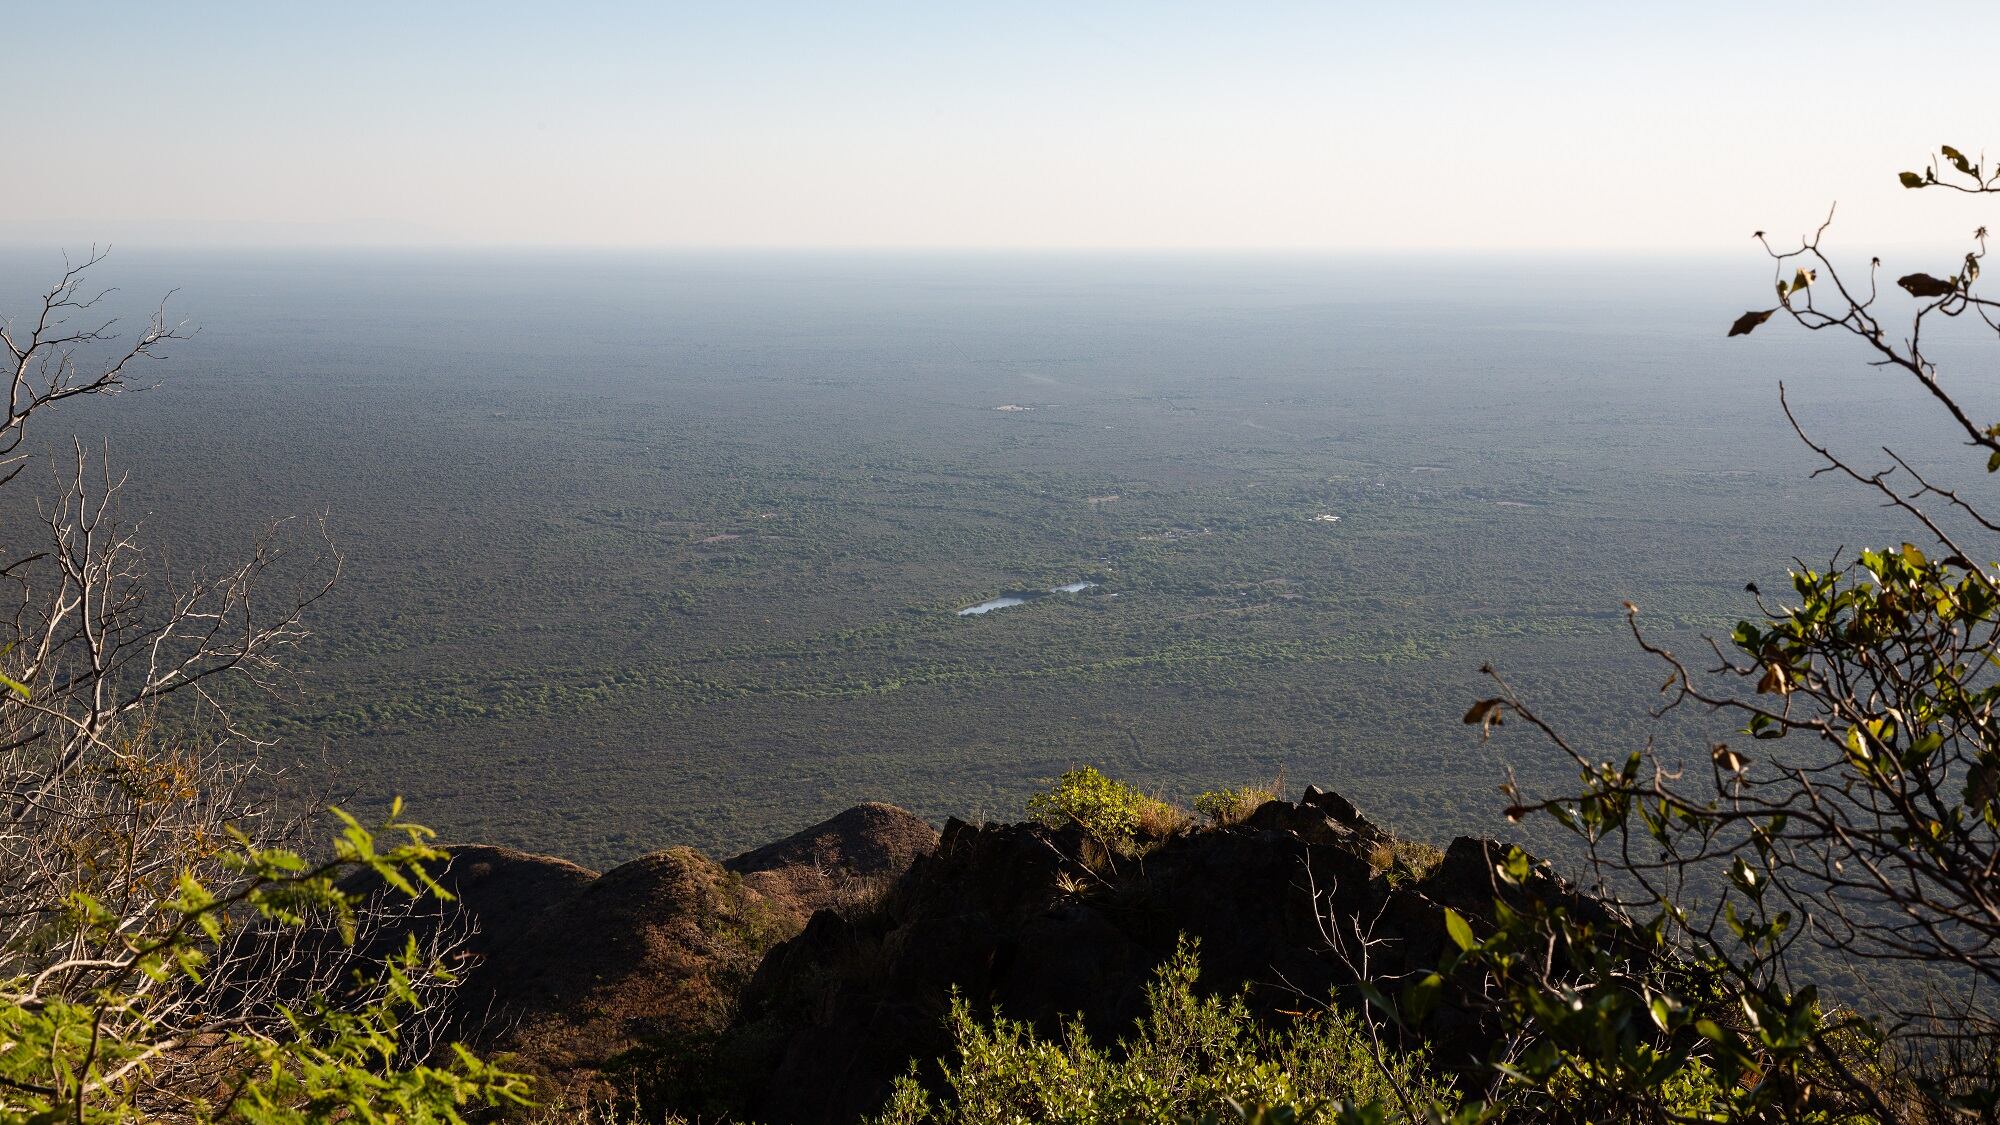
pixel 645 551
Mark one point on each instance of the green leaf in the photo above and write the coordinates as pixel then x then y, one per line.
pixel 1662 1012
pixel 1382 1003
pixel 15 686
pixel 1460 931
pixel 1421 998
pixel 1911 180
pixel 1748 878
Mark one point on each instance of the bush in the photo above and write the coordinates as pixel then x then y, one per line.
pixel 1110 810
pixel 1190 1057
pixel 203 1005
pixel 1402 860
pixel 1224 807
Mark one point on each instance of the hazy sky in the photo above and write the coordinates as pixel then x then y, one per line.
pixel 952 124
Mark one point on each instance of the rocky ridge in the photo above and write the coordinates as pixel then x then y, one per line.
pixel 794 982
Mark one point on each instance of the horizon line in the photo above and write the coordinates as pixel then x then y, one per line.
pixel 1681 250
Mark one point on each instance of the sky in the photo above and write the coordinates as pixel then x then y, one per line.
pixel 1023 125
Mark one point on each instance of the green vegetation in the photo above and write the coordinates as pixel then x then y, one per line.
pixel 127 1027
pixel 1401 860
pixel 792 607
pixel 1193 1057
pixel 543 640
pixel 1224 807
pixel 1109 810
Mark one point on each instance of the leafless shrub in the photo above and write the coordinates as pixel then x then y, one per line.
pixel 123 779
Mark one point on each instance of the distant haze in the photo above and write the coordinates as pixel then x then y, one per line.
pixel 1018 125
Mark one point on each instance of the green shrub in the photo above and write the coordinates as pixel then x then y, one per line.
pixel 1108 809
pixel 1191 1056
pixel 149 1024
pixel 1224 807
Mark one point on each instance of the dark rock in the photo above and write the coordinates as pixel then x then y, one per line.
pixel 1465 880
pixel 504 891
pixel 837 862
pixel 1328 820
pixel 581 977
pixel 1010 917
pixel 1342 811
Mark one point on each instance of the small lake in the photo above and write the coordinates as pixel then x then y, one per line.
pixel 1022 597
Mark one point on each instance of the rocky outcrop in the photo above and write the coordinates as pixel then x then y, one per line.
pixel 794 982
pixel 652 952
pixel 638 970
pixel 1042 925
pixel 590 980
pixel 1321 816
pixel 838 863
pixel 1013 918
pixel 504 892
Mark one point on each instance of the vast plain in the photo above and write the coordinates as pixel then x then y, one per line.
pixel 654 549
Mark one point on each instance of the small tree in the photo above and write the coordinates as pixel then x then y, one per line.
pixel 167 948
pixel 1855 818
